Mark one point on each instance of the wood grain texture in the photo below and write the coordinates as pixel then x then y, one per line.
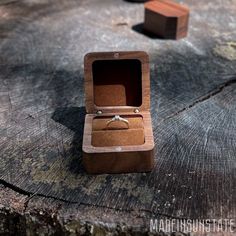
pixel 193 86
pixel 166 19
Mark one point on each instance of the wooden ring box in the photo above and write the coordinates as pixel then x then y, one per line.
pixel 166 19
pixel 117 83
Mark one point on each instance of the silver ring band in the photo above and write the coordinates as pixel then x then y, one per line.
pixel 118 118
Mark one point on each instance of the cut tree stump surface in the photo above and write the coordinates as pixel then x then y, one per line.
pixel 193 106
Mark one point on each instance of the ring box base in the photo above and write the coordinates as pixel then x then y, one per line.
pixel 133 154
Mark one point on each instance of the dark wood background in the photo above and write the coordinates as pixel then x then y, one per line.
pixel 193 105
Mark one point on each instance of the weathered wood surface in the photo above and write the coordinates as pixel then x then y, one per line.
pixel 193 90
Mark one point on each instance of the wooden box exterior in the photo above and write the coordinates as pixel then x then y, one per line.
pixel 166 24
pixel 117 159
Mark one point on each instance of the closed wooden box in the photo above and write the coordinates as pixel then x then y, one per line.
pixel 166 19
pixel 117 83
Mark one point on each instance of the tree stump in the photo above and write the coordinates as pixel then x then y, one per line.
pixel 44 188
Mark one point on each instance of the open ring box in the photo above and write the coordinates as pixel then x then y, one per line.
pixel 117 84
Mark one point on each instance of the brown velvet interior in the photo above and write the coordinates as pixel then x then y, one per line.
pixel 117 82
pixel 117 133
pixel 100 123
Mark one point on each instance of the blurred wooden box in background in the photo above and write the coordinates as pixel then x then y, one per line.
pixel 166 19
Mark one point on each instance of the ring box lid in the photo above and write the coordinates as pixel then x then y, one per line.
pixel 117 82
pixel 167 8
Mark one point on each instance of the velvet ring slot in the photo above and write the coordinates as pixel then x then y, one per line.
pixel 117 133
